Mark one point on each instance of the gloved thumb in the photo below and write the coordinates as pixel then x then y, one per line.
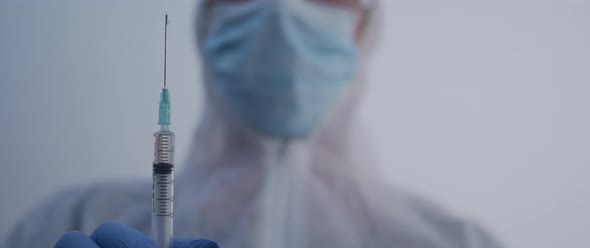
pixel 193 243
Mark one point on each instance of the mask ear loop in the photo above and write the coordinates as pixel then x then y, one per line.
pixel 368 24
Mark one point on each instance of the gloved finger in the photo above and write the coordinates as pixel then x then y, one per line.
pixel 116 235
pixel 75 239
pixel 193 243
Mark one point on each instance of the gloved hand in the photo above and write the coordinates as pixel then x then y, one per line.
pixel 115 235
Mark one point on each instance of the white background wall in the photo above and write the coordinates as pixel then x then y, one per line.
pixel 481 105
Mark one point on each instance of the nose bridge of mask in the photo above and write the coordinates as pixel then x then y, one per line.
pixel 317 16
pixel 321 16
pixel 306 25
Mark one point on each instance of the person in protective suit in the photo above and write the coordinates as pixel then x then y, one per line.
pixel 279 157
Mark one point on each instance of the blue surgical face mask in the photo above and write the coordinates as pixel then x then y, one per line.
pixel 280 65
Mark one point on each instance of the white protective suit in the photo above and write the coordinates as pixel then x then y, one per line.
pixel 243 190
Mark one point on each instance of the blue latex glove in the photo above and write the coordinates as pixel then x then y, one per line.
pixel 115 235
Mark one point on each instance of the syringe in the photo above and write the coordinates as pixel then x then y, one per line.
pixel 163 169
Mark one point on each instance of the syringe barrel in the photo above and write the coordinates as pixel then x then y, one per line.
pixel 163 189
pixel 164 147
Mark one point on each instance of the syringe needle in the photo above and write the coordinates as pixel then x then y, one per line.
pixel 165 46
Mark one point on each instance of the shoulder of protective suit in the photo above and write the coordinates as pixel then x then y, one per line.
pixel 422 223
pixel 73 209
pixel 458 231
